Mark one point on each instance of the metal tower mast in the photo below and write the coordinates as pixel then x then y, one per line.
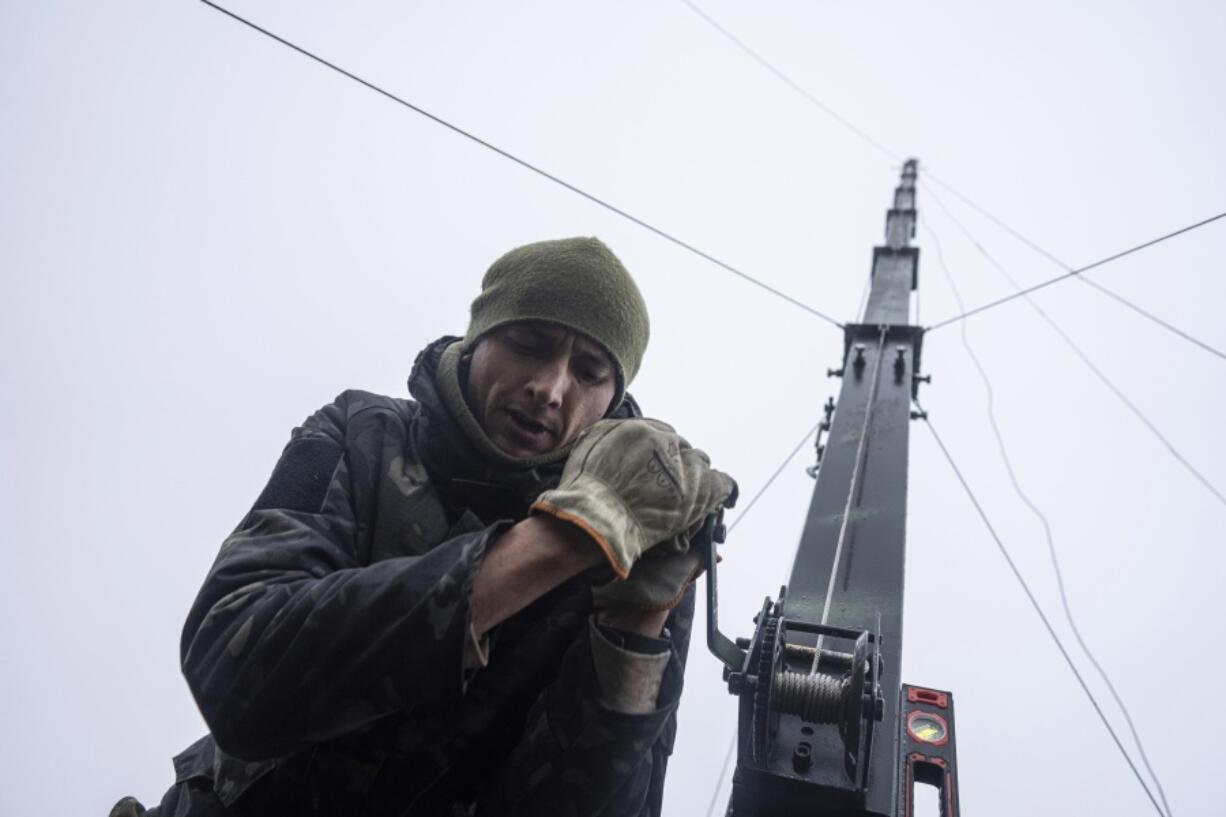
pixel 826 726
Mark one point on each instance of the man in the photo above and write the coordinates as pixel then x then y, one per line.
pixel 474 603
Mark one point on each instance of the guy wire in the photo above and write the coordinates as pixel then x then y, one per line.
pixel 868 282
pixel 728 267
pixel 1051 543
pixel 1093 367
pixel 795 86
pixel 1090 282
pixel 774 476
pixel 1151 316
pixel 732 741
pixel 1037 608
pixel 526 165
pixel 1071 273
pixel 869 140
pixel 719 783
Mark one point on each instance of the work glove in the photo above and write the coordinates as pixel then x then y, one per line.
pixel 657 581
pixel 632 484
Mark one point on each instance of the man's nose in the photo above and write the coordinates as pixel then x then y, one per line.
pixel 549 382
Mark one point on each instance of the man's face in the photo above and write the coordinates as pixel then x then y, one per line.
pixel 534 386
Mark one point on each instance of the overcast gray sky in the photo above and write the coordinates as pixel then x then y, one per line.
pixel 204 237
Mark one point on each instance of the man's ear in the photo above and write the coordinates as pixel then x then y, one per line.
pixel 462 368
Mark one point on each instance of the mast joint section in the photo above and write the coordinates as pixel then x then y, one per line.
pixel 896 333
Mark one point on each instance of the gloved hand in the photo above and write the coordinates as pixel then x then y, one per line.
pixel 631 484
pixel 657 581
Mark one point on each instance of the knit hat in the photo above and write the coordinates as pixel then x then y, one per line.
pixel 575 282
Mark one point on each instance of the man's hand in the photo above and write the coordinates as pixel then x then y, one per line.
pixel 657 581
pixel 631 484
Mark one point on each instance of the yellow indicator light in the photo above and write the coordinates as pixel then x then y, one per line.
pixel 925 728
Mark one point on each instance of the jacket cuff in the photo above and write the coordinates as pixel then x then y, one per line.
pixel 476 650
pixel 628 681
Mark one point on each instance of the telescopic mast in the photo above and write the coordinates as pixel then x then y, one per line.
pixel 826 725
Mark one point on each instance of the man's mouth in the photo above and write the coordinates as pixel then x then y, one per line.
pixel 533 429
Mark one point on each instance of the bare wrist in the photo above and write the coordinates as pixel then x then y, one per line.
pixel 649 623
pixel 529 559
pixel 566 542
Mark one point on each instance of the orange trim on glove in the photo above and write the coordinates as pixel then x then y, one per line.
pixel 582 524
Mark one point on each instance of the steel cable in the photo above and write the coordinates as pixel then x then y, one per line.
pixel 868 282
pixel 791 455
pixel 1164 324
pixel 1093 367
pixel 723 772
pixel 795 86
pixel 1083 279
pixel 868 139
pixel 1038 608
pixel 1023 292
pixel 527 165
pixel 857 470
pixel 771 481
pixel 1047 531
pixel 874 143
pixel 661 233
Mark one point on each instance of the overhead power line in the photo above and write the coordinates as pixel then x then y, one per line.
pixel 527 165
pixel 1073 272
pixel 1038 609
pixel 1042 518
pixel 1076 349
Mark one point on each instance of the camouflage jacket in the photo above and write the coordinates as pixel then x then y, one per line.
pixel 326 648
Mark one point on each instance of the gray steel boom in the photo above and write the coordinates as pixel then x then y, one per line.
pixel 826 726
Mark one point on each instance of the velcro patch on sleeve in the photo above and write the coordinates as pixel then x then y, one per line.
pixel 300 480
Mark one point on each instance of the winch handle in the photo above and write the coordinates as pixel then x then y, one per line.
pixel 713 532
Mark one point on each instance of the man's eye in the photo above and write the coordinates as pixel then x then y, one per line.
pixel 524 343
pixel 593 375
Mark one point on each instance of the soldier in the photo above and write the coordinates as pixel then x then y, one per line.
pixel 475 602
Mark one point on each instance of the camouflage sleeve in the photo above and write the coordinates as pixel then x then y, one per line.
pixel 292 640
pixel 577 757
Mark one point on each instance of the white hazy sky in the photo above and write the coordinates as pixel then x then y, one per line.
pixel 204 237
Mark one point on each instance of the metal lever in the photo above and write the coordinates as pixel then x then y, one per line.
pixel 721 646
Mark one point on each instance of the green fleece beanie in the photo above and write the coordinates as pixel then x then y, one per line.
pixel 575 282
